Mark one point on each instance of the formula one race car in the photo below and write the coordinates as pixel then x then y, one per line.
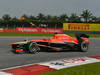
pixel 58 42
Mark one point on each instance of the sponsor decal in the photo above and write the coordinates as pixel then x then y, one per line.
pixel 33 30
pixel 26 30
pixel 78 27
pixel 63 62
pixel 76 60
pixel 81 27
pixel 39 30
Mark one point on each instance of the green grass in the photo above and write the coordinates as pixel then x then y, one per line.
pixel 24 34
pixel 91 35
pixel 88 69
pixel 38 34
pixel 94 35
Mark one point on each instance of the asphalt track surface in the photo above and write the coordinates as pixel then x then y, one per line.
pixel 9 59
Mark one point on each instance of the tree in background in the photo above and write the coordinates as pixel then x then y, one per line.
pixel 50 21
pixel 40 16
pixel 49 18
pixel 63 18
pixel 86 15
pixel 6 20
pixel 6 17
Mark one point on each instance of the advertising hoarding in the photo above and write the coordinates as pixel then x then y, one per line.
pixel 81 27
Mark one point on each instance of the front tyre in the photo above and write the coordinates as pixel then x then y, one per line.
pixel 83 46
pixel 33 48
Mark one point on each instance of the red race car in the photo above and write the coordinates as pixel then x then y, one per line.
pixel 58 42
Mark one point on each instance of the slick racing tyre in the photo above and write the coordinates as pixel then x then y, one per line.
pixel 83 46
pixel 33 48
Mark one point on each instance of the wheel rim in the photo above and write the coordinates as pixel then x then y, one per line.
pixel 33 48
pixel 84 46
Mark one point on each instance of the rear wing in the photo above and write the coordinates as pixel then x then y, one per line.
pixel 82 35
pixel 79 36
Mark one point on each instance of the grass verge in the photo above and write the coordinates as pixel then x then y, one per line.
pixel 38 34
pixel 24 34
pixel 88 69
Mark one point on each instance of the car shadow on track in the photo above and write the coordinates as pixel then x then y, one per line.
pixel 60 51
pixel 46 51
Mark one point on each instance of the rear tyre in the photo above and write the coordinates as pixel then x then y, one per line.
pixel 33 48
pixel 83 46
